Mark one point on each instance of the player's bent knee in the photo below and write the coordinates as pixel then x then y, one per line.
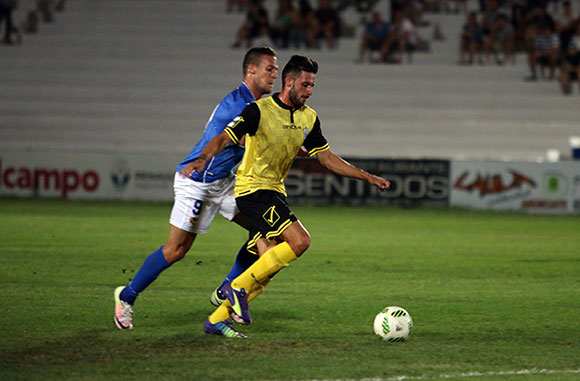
pixel 300 244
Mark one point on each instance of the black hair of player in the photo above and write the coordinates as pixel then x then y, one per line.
pixel 254 56
pixel 297 65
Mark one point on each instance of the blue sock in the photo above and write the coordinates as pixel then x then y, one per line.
pixel 152 267
pixel 244 260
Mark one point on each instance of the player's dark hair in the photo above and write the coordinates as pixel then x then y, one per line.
pixel 254 56
pixel 297 65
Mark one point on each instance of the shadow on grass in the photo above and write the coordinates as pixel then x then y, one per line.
pixel 103 346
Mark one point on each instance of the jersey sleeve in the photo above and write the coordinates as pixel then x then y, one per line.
pixel 315 142
pixel 245 123
pixel 219 118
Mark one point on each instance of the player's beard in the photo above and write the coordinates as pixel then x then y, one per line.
pixel 295 98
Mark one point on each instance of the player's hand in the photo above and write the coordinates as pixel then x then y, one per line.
pixel 195 166
pixel 379 182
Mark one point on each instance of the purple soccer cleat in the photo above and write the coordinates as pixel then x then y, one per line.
pixel 222 328
pixel 239 301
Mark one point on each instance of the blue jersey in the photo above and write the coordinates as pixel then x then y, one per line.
pixel 221 165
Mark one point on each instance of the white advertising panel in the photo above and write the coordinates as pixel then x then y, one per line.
pixel 523 186
pixel 88 175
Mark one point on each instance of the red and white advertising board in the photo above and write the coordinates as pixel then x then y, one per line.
pixel 81 175
pixel 498 185
pixel 523 186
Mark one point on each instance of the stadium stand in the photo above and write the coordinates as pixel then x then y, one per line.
pixel 144 75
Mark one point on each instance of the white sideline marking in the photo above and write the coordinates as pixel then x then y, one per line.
pixel 466 374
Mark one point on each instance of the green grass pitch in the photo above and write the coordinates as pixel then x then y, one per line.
pixel 492 296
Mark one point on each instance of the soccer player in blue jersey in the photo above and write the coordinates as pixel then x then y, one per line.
pixel 201 195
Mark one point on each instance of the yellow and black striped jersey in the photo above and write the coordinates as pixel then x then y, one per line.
pixel 274 135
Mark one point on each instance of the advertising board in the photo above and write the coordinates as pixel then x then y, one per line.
pixel 150 177
pixel 413 183
pixel 523 186
pixel 87 175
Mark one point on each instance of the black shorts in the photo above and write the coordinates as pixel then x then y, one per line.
pixel 268 214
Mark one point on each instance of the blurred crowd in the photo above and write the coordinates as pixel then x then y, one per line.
pixel 546 32
pixel 294 24
pixel 390 41
pixel 302 24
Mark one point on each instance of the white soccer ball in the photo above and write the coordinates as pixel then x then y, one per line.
pixel 393 324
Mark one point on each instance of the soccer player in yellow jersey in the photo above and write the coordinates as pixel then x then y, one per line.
pixel 274 129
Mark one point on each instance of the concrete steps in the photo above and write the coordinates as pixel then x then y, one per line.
pixel 144 76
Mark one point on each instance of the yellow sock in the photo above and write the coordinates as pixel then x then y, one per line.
pixel 257 276
pixel 269 264
pixel 221 313
pixel 258 288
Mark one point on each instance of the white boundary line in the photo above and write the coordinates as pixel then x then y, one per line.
pixel 465 375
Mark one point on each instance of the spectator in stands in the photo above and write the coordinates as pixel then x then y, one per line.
pixel 500 40
pixel 256 25
pixel 301 25
pixel 402 39
pixel 283 24
pixel 519 24
pixel 471 40
pixel 412 8
pixel 45 10
pixel 565 25
pixel 545 52
pixel 414 12
pixel 6 9
pixel 535 19
pixel 325 25
pixel 488 23
pixel 374 37
pixel 565 19
pixel 570 69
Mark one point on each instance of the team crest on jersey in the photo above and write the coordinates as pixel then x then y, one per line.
pixel 306 130
pixel 271 216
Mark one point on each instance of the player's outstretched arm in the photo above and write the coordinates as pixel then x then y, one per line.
pixel 336 164
pixel 215 146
